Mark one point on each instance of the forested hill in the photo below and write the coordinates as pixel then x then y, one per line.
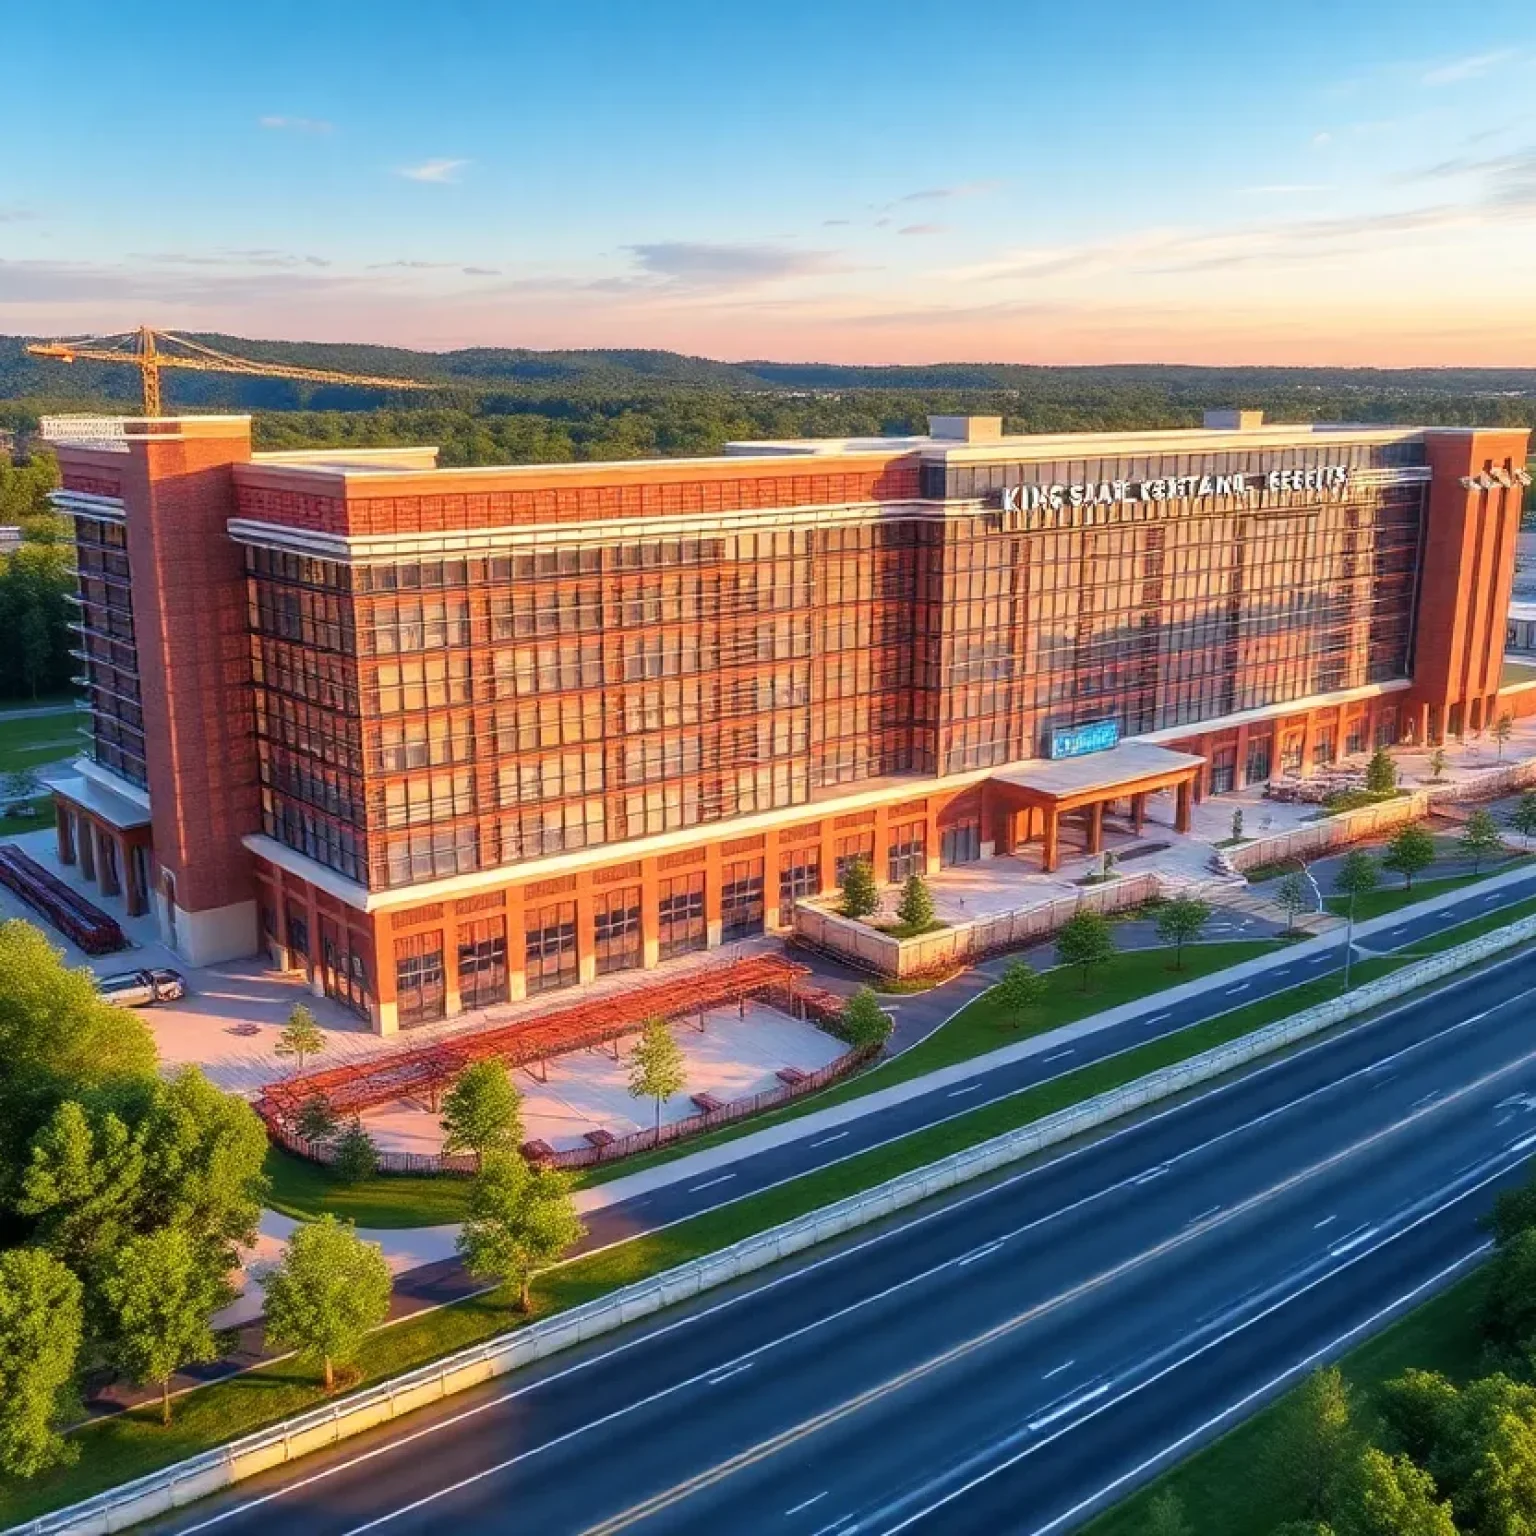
pixel 511 405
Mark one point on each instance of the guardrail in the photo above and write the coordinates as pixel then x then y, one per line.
pixel 149 1497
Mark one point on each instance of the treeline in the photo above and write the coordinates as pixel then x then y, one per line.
pixel 35 583
pixel 1425 1455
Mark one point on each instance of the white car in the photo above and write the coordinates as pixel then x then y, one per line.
pixel 142 989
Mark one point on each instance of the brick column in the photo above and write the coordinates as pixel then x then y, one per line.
pixel 650 918
pixel 1182 804
pixel 1051 853
pixel 1095 814
pixel 63 826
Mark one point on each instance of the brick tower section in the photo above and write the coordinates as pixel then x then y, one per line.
pixel 190 619
pixel 1468 567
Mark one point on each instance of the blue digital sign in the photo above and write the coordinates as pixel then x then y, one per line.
pixel 1079 740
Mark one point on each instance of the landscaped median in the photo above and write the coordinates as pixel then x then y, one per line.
pixel 609 1289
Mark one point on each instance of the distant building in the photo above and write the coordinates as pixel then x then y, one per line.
pixel 10 539
pixel 443 737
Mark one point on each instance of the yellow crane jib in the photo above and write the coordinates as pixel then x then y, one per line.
pixel 150 351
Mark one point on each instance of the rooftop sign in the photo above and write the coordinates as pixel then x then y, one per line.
pixel 1080 740
pixel 1114 493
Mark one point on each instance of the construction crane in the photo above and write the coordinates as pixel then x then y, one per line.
pixel 149 351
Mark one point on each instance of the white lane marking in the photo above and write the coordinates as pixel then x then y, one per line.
pixel 1523 1143
pixel 826 1141
pixel 837 1524
pixel 1066 1408
pixel 692 1319
pixel 1058 1056
pixel 1233 991
pixel 1158 1018
pixel 1259 1394
pixel 815 1498
pixel 1326 1221
pixel 980 1253
pixel 969 1088
pixel 1256 1395
pixel 1397 933
pixel 1193 1221
pixel 1065 1366
pixel 1152 1173
pixel 1495 897
pixel 1354 1240
pixel 1434 1093
pixel 735 1370
pixel 693 1189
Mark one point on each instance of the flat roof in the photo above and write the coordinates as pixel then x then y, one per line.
pixel 115 810
pixel 1063 777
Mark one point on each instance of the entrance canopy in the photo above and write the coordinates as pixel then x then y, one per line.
pixel 1132 768
pixel 1131 771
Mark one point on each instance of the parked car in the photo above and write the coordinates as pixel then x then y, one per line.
pixel 142 989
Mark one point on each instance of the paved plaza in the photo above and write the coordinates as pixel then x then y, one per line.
pixel 735 1056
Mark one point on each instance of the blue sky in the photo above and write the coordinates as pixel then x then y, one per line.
pixel 1303 182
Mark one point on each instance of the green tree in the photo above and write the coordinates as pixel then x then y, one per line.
pixel 1019 989
pixel 316 1120
pixel 1293 898
pixel 916 907
pixel 330 1289
pixel 520 1219
pixel 1437 762
pixel 1085 940
pixel 161 1294
pixel 1312 1446
pixel 1508 1315
pixel 864 1022
pixel 1180 922
pixel 301 1036
pixel 657 1068
pixel 1381 773
pixel 1513 1213
pixel 483 1111
pixel 41 1327
pixel 1357 876
pixel 861 897
pixel 1390 1496
pixel 1166 1517
pixel 1480 838
pixel 1410 852
pixel 1523 820
pixel 1502 729
pixel 356 1155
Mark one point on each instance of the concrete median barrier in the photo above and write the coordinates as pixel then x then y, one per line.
pixel 196 1478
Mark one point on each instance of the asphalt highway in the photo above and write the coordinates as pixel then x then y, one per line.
pixel 1007 1360
pixel 761 1170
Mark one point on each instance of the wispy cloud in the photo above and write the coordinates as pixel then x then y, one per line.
pixel 296 124
pixel 16 215
pixel 433 170
pixel 1454 71
pixel 1508 180
pixel 410 266
pixel 703 264
pixel 922 229
pixel 1322 140
pixel 943 194
pixel 481 271
pixel 256 256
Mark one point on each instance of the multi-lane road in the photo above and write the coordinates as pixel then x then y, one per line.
pixel 1013 1359
pixel 750 1173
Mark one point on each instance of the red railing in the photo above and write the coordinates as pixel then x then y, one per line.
pixel 623 1146
pixel 428 1069
pixel 66 909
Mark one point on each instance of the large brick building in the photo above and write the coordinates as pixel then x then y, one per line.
pixel 441 737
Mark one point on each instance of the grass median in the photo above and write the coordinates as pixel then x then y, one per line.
pixel 1216 1487
pixel 133 1444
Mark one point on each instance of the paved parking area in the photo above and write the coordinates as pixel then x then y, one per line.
pixel 733 1058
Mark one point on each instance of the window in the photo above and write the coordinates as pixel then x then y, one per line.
pixel 1386 728
pixel 549 947
pixel 1290 752
pixel 1322 747
pixel 905 855
pixel 298 934
pixel 960 844
pixel 616 922
pixel 1223 770
pixel 1260 749
pixel 1354 740
pixel 420 993
pixel 681 915
pixel 846 850
pixel 799 877
pixel 741 900
pixel 483 963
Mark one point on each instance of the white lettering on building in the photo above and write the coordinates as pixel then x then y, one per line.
pixel 1114 493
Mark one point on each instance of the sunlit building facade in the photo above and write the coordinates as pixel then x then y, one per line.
pixel 443 738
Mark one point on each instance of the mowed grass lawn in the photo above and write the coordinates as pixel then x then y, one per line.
pixel 1391 898
pixel 33 740
pixel 1216 1486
